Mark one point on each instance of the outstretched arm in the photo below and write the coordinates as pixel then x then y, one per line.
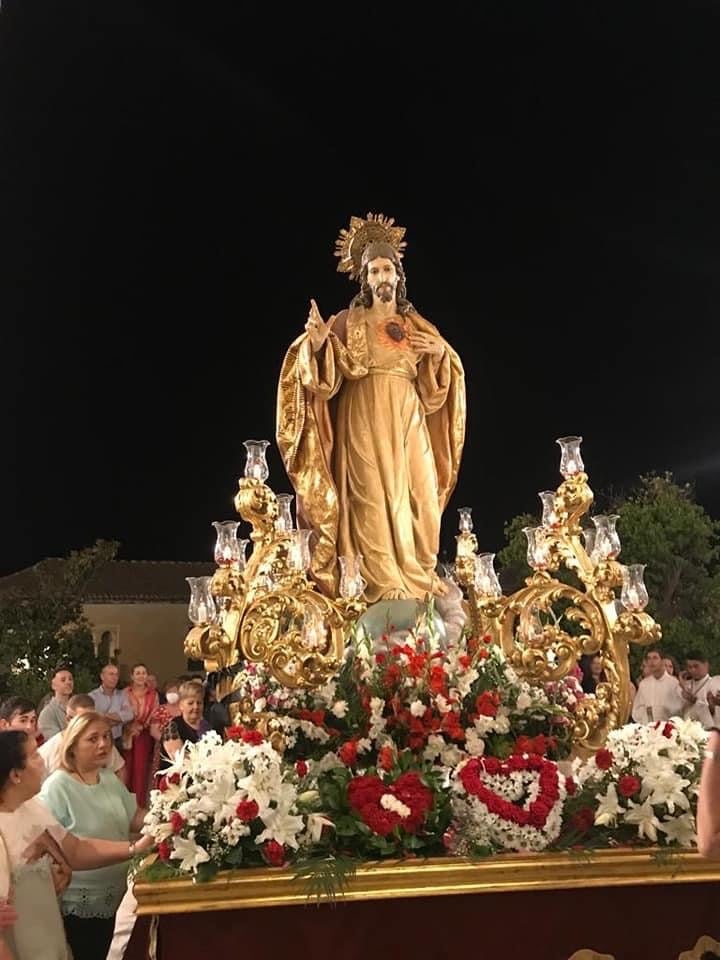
pixel 708 819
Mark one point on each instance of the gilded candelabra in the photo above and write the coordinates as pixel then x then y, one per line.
pixel 264 608
pixel 547 625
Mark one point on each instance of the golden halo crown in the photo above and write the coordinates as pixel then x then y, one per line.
pixel 351 243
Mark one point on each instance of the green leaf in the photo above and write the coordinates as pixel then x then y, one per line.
pixel 206 872
pixel 326 878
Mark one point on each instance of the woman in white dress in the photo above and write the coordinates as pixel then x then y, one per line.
pixel 32 844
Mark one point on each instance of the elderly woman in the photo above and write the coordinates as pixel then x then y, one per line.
pixel 188 727
pixel 31 841
pixel 85 796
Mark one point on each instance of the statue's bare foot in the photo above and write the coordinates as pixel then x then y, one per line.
pixel 439 588
pixel 395 595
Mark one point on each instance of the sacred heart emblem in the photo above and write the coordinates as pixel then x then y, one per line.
pixel 395 331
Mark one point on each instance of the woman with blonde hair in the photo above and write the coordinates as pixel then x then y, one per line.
pixel 31 841
pixel 85 796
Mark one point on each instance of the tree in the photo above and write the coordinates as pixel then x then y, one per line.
pixel 662 526
pixel 513 556
pixel 44 625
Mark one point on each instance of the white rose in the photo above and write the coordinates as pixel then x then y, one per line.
pixel 417 708
pixel 523 701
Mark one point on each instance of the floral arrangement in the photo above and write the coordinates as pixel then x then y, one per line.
pixel 225 805
pixel 642 786
pixel 412 751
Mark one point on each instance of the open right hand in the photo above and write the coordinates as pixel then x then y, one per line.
pixel 316 328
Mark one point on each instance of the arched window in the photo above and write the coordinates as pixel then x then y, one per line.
pixel 106 647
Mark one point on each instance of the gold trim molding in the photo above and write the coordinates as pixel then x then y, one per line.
pixel 445 876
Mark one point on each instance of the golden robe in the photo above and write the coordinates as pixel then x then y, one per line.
pixel 371 434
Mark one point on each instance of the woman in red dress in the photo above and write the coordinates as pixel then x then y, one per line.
pixel 137 742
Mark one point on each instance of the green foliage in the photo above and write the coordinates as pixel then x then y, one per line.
pixel 326 878
pixel 513 556
pixel 47 627
pixel 662 526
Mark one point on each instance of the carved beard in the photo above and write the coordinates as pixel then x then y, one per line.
pixel 384 291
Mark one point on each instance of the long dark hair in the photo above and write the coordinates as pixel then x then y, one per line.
pixel 13 754
pixel 365 297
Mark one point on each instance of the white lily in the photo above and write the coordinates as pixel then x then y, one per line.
pixel 608 808
pixel 644 816
pixel 189 853
pixel 680 830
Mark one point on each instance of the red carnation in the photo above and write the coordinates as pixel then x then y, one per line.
pixel 253 737
pixel 379 820
pixel 487 704
pixel 164 850
pixel 628 785
pixel 348 753
pixel 274 853
pixel 234 733
pixel 174 778
pixel 364 790
pixel 247 810
pixel 177 821
pixel 570 786
pixel 583 820
pixel 301 768
pixel 386 758
pixel 162 784
pixel 604 759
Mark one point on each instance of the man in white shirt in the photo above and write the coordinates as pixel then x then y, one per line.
pixel 51 750
pixel 658 696
pixel 111 702
pixel 699 689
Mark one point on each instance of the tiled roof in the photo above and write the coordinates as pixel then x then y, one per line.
pixel 119 581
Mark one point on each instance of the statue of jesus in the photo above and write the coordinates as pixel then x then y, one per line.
pixel 371 425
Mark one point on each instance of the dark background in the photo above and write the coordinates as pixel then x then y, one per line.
pixel 172 181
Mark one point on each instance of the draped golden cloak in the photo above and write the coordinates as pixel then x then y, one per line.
pixel 371 435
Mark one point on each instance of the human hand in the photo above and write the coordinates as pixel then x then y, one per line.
pixel 316 328
pixel 61 876
pixel 8 914
pixel 145 843
pixel 426 343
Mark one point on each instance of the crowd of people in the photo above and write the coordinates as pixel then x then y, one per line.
pixel 79 766
pixel 75 774
pixel 663 690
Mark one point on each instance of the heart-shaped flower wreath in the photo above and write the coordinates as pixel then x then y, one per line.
pixel 513 804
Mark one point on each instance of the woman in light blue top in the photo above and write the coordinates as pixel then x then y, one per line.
pixel 87 798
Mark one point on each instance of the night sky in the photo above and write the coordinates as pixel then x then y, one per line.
pixel 172 181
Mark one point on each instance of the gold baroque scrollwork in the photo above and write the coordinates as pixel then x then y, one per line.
pixel 547 625
pixel 261 608
pixel 272 632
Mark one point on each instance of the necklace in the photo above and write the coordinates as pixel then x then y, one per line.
pixel 87 784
